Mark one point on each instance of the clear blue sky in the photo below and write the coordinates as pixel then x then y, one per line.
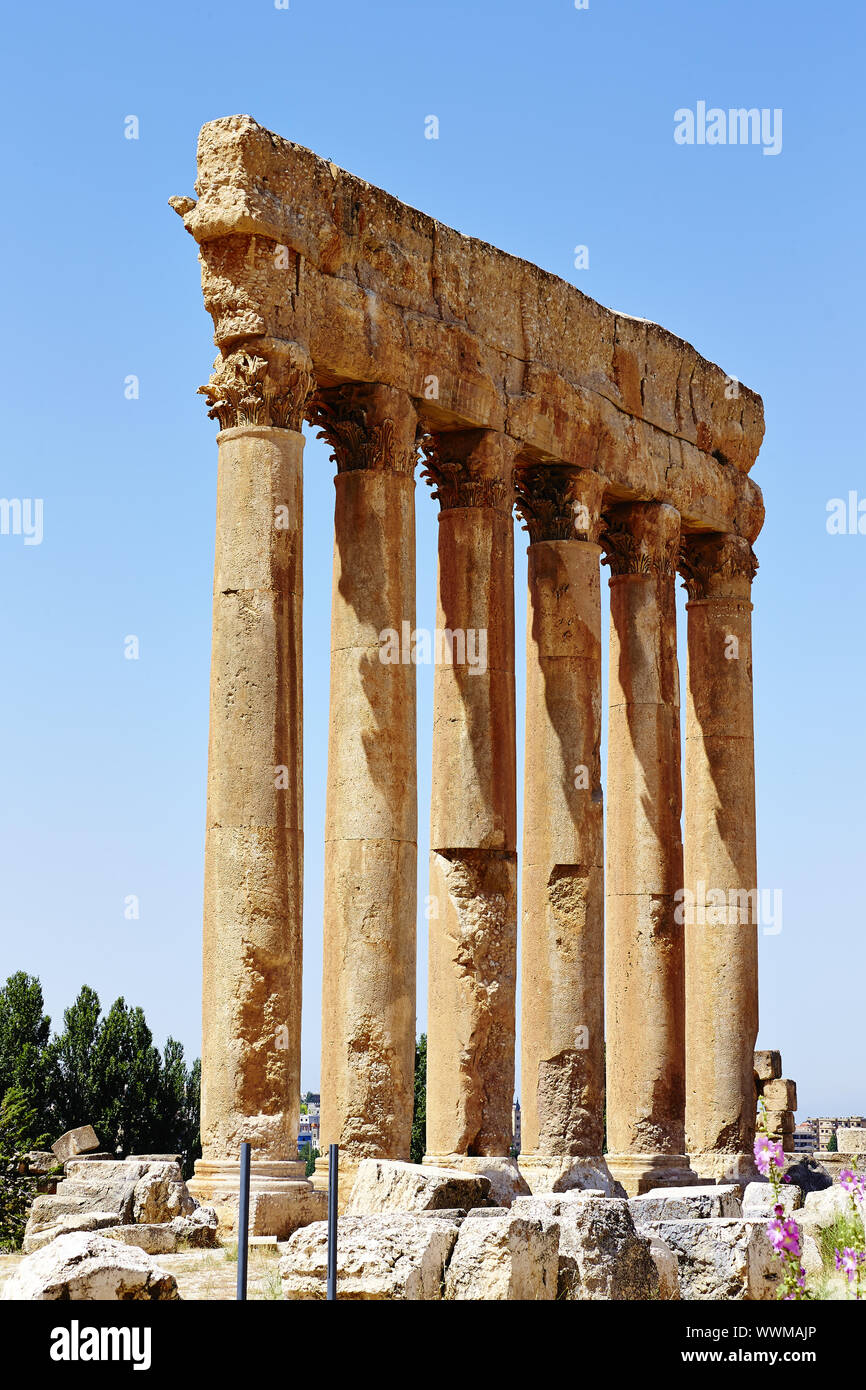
pixel 556 129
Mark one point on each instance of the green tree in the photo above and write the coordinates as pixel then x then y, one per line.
pixel 419 1112
pixel 833 1144
pixel 17 1136
pixel 24 1033
pixel 72 1079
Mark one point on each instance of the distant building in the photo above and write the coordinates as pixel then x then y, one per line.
pixel 826 1126
pixel 805 1138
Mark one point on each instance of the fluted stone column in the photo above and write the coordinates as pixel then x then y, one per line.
pixel 368 993
pixel 473 873
pixel 721 893
pixel 251 1028
pixel 644 941
pixel 562 928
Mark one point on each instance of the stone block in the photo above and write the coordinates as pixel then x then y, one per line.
pixel 74 1142
pixel 514 1258
pixel 88 1267
pixel 383 1257
pixel 388 1186
pixel 768 1066
pixel 667 1269
pixel 759 1202
pixel 851 1141
pixel 687 1203
pixel 601 1254
pixel 780 1094
pixel 779 1123
pixel 722 1258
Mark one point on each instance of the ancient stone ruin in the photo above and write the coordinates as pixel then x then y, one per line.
pixel 401 339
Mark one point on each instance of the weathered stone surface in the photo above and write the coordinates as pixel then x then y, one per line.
pixel 758 1200
pixel 562 934
pixel 722 1258
pixel 810 1258
pixel 118 1193
pixel 36 1235
pixel 470 314
pixel 89 1267
pixel 667 1268
pixel 601 1255
pixel 645 1026
pixel 719 853
pixel 389 1186
pixel 566 1174
pixel 768 1066
pixel 197 1231
pixel 161 1194
pixel 780 1094
pixel 686 1203
pixel 39 1161
pixel 75 1141
pixel 378 1257
pixel 822 1208
pixel 851 1141
pixel 512 1258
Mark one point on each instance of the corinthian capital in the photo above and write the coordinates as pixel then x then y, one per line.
pixel 641 538
pixel 248 388
pixel 717 566
pixel 468 468
pixel 367 427
pixel 557 502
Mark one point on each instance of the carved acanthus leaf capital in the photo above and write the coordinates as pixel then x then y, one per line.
pixel 641 538
pixel 457 476
pixel 362 433
pixel 717 566
pixel 249 389
pixel 557 502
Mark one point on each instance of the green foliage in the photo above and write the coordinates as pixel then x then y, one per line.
pixel 102 1070
pixel 24 1033
pixel 309 1155
pixel 833 1144
pixel 17 1137
pixel 845 1231
pixel 419 1113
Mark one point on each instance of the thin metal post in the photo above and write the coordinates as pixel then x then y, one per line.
pixel 244 1221
pixel 333 1179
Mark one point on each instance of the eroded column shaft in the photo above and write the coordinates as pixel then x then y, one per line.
pixel 368 1001
pixel 720 860
pixel 251 1036
pixel 644 941
pixel 562 928
pixel 473 929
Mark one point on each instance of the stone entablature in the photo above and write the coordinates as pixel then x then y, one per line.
pixel 295 250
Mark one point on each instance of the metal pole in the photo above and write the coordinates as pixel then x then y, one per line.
pixel 244 1221
pixel 333 1167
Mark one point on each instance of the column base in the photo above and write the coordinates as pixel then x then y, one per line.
pixel 642 1172
pixel 725 1167
pixel 547 1173
pixel 506 1181
pixel 281 1200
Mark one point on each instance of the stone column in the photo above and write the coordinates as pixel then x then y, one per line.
pixel 644 940
pixel 251 1030
pixel 473 889
pixel 562 932
pixel 721 894
pixel 368 992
